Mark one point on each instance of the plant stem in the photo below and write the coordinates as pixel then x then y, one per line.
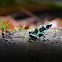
pixel 3 33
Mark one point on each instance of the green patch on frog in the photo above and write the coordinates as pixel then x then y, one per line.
pixel 38 32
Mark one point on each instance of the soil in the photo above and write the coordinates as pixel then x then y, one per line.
pixel 15 46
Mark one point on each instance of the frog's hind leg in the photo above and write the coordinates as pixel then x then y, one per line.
pixel 32 41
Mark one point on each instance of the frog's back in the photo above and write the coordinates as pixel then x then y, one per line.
pixel 41 30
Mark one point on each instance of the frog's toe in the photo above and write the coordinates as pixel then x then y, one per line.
pixel 45 39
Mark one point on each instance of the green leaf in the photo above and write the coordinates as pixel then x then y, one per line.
pixel 8 24
pixel 1 23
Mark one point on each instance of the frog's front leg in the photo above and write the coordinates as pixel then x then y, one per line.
pixel 44 37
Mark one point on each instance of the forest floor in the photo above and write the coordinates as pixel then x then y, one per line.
pixel 16 46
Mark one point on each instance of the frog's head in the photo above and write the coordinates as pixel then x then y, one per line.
pixel 48 25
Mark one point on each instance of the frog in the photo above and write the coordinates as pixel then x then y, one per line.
pixel 38 32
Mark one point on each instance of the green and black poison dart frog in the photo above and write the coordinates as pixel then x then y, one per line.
pixel 38 32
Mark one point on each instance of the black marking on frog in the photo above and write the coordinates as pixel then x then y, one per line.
pixel 36 31
pixel 40 35
pixel 42 29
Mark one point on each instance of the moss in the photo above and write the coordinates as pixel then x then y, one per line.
pixel 54 5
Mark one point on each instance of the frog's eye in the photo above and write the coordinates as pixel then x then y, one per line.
pixel 48 26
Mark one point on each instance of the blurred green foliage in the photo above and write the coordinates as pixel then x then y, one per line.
pixel 19 3
pixel 6 2
pixel 32 2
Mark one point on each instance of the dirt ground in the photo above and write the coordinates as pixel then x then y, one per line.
pixel 15 46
